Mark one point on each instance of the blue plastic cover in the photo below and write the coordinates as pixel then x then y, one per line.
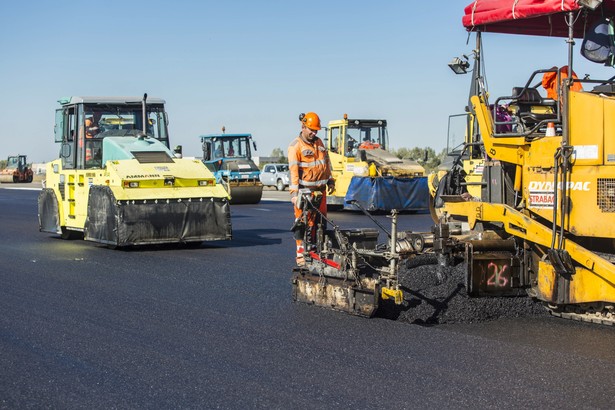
pixel 387 193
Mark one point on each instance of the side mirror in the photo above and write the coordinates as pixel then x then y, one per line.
pixel 254 145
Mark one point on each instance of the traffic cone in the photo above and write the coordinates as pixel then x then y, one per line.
pixel 550 130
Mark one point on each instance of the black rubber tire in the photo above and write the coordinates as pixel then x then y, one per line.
pixel 67 234
pixel 280 185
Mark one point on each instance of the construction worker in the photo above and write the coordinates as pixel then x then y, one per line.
pixel 309 168
pixel 368 144
pixel 90 128
pixel 549 81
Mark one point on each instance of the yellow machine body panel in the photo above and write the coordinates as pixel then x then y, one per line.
pixel 128 180
pixel 593 278
pixel 546 281
pixel 586 286
pixel 591 198
pixel 589 187
pixel 588 113
pixel 474 175
pixel 343 169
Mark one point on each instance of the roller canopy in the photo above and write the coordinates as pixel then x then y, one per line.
pixel 533 17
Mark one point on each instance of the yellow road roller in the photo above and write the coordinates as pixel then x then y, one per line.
pixel 117 182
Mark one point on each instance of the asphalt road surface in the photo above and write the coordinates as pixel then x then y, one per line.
pixel 84 326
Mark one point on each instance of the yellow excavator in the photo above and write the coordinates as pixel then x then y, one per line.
pixel 544 221
pixel 118 183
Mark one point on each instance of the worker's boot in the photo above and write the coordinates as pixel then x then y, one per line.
pixel 300 259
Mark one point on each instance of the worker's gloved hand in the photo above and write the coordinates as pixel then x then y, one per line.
pixel 330 187
pixel 294 201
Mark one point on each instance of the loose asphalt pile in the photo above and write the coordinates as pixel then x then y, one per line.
pixel 437 294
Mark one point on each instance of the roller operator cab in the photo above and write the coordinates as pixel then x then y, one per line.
pixel 229 158
pixel 116 181
pixel 367 172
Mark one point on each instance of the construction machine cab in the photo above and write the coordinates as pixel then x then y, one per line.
pixel 17 162
pixel 84 123
pixel 229 158
pixel 347 137
pixel 220 146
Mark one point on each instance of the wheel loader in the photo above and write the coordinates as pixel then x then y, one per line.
pixel 229 158
pixel 366 172
pixel 118 183
pixel 543 224
pixel 17 170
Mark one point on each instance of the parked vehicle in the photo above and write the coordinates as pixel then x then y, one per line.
pixel 276 175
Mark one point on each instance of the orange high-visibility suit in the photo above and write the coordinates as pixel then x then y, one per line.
pixel 549 82
pixel 310 168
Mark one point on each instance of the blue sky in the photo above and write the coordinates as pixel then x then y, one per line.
pixel 252 66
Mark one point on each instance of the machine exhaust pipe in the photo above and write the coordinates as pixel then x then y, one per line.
pixel 144 111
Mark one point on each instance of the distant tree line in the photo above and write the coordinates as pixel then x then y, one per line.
pixel 427 157
pixel 279 153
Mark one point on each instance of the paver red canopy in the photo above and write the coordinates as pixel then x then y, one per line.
pixel 534 17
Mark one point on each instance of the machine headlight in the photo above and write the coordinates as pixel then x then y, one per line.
pixel 206 182
pixel 131 184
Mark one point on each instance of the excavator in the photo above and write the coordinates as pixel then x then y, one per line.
pixel 542 225
pixel 17 170
pixel 118 183
pixel 366 172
